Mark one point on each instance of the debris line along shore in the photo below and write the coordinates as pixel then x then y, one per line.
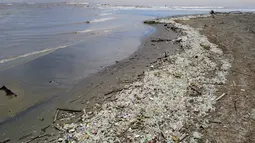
pixel 169 103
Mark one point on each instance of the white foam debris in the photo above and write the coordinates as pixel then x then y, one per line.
pixel 187 17
pixel 173 95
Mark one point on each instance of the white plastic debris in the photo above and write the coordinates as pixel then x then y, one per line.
pixel 160 104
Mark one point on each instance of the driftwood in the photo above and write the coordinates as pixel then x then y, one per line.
pixel 63 109
pixel 218 98
pixel 25 136
pixel 8 91
pixel 69 110
pixel 56 116
pixel 5 141
pixel 235 106
pixel 114 91
pixel 216 122
pixel 58 128
pixel 165 55
pixel 45 128
pixel 161 40
pixel 178 40
pixel 196 89
pixel 37 137
pixel 182 139
pixel 193 90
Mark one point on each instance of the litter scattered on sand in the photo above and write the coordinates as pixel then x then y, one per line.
pixel 168 104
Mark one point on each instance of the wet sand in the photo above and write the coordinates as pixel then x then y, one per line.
pixel 92 90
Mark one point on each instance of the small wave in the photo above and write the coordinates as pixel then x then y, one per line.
pixel 85 31
pixel 102 19
pixel 32 53
pixel 105 30
pixel 78 3
pixel 105 14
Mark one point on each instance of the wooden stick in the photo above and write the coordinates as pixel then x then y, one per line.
pixel 69 110
pixel 193 88
pixel 56 116
pixel 234 83
pixel 235 105
pixel 5 141
pixel 114 91
pixel 58 128
pixel 217 99
pixel 45 128
pixel 216 122
pixel 25 136
pixel 183 138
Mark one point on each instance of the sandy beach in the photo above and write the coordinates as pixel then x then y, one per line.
pixel 190 81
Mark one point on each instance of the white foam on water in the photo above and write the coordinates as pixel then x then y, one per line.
pixel 102 19
pixel 32 53
pixel 78 3
pixel 105 14
pixel 98 30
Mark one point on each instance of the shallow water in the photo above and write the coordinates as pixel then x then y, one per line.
pixel 47 48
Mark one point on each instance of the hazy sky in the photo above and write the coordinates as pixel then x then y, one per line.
pixel 158 2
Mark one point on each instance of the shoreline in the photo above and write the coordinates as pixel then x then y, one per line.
pixel 90 83
pixel 170 96
pixel 45 100
pixel 172 62
pixel 200 79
